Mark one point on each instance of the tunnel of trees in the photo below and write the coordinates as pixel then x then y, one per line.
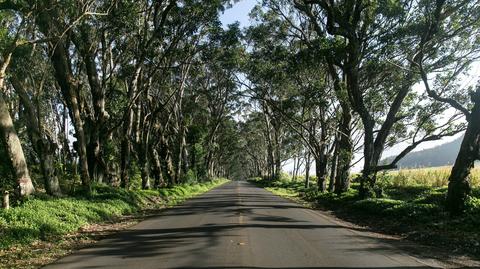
pixel 108 91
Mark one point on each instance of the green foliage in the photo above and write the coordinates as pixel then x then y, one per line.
pixel 190 177
pixel 47 218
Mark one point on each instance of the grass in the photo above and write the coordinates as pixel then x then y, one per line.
pixel 47 218
pixel 432 177
pixel 412 206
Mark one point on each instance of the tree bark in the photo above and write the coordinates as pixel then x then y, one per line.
pixel 70 93
pixel 58 49
pixel 10 138
pixel 42 143
pixel 126 145
pixel 459 182
pixel 144 160
pixel 307 170
pixel 345 153
pixel 333 168
pixel 157 168
pixel 321 172
pixel 14 150
pixel 97 136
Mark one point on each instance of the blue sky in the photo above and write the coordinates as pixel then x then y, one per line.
pixel 239 12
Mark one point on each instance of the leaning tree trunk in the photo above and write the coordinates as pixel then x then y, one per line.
pixel 11 141
pixel 459 182
pixel 180 154
pixel 14 151
pixel 277 145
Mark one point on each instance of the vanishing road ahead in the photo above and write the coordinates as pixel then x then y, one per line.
pixel 238 225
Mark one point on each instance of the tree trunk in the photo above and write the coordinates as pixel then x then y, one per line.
pixel 14 149
pixel 277 145
pixel 321 171
pixel 294 177
pixel 180 155
pixel 44 147
pixel 125 149
pixel 166 159
pixel 459 181
pixel 333 169
pixel 126 145
pixel 144 160
pixel 345 147
pixel 157 169
pixel 96 161
pixel 60 59
pixel 345 154
pixel 307 170
pixel 68 86
pixel 11 141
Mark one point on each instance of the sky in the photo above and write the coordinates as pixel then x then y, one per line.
pixel 240 12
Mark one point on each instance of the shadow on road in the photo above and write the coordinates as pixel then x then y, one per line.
pixel 186 236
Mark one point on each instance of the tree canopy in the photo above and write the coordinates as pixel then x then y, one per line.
pixel 148 94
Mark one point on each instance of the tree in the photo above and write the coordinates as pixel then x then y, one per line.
pixel 10 139
pixel 357 33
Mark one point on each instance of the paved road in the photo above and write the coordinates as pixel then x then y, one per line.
pixel 240 226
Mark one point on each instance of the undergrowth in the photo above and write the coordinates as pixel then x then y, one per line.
pixel 47 218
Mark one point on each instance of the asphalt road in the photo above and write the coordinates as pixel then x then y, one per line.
pixel 239 225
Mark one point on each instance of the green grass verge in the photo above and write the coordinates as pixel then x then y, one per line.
pixel 416 212
pixel 47 218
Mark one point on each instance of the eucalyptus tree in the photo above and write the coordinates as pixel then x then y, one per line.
pixel 265 71
pixel 304 43
pixel 11 38
pixel 459 181
pixel 294 87
pixel 38 96
pixel 368 41
pixel 215 82
pixel 451 31
pixel 254 145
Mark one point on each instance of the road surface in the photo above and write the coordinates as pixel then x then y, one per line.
pixel 238 225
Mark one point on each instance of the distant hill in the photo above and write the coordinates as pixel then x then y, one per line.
pixel 441 155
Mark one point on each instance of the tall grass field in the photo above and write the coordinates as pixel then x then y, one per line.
pixel 431 177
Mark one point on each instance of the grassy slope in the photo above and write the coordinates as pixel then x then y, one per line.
pixel 416 212
pixel 47 218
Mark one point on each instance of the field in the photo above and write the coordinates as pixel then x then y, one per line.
pixel 432 177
